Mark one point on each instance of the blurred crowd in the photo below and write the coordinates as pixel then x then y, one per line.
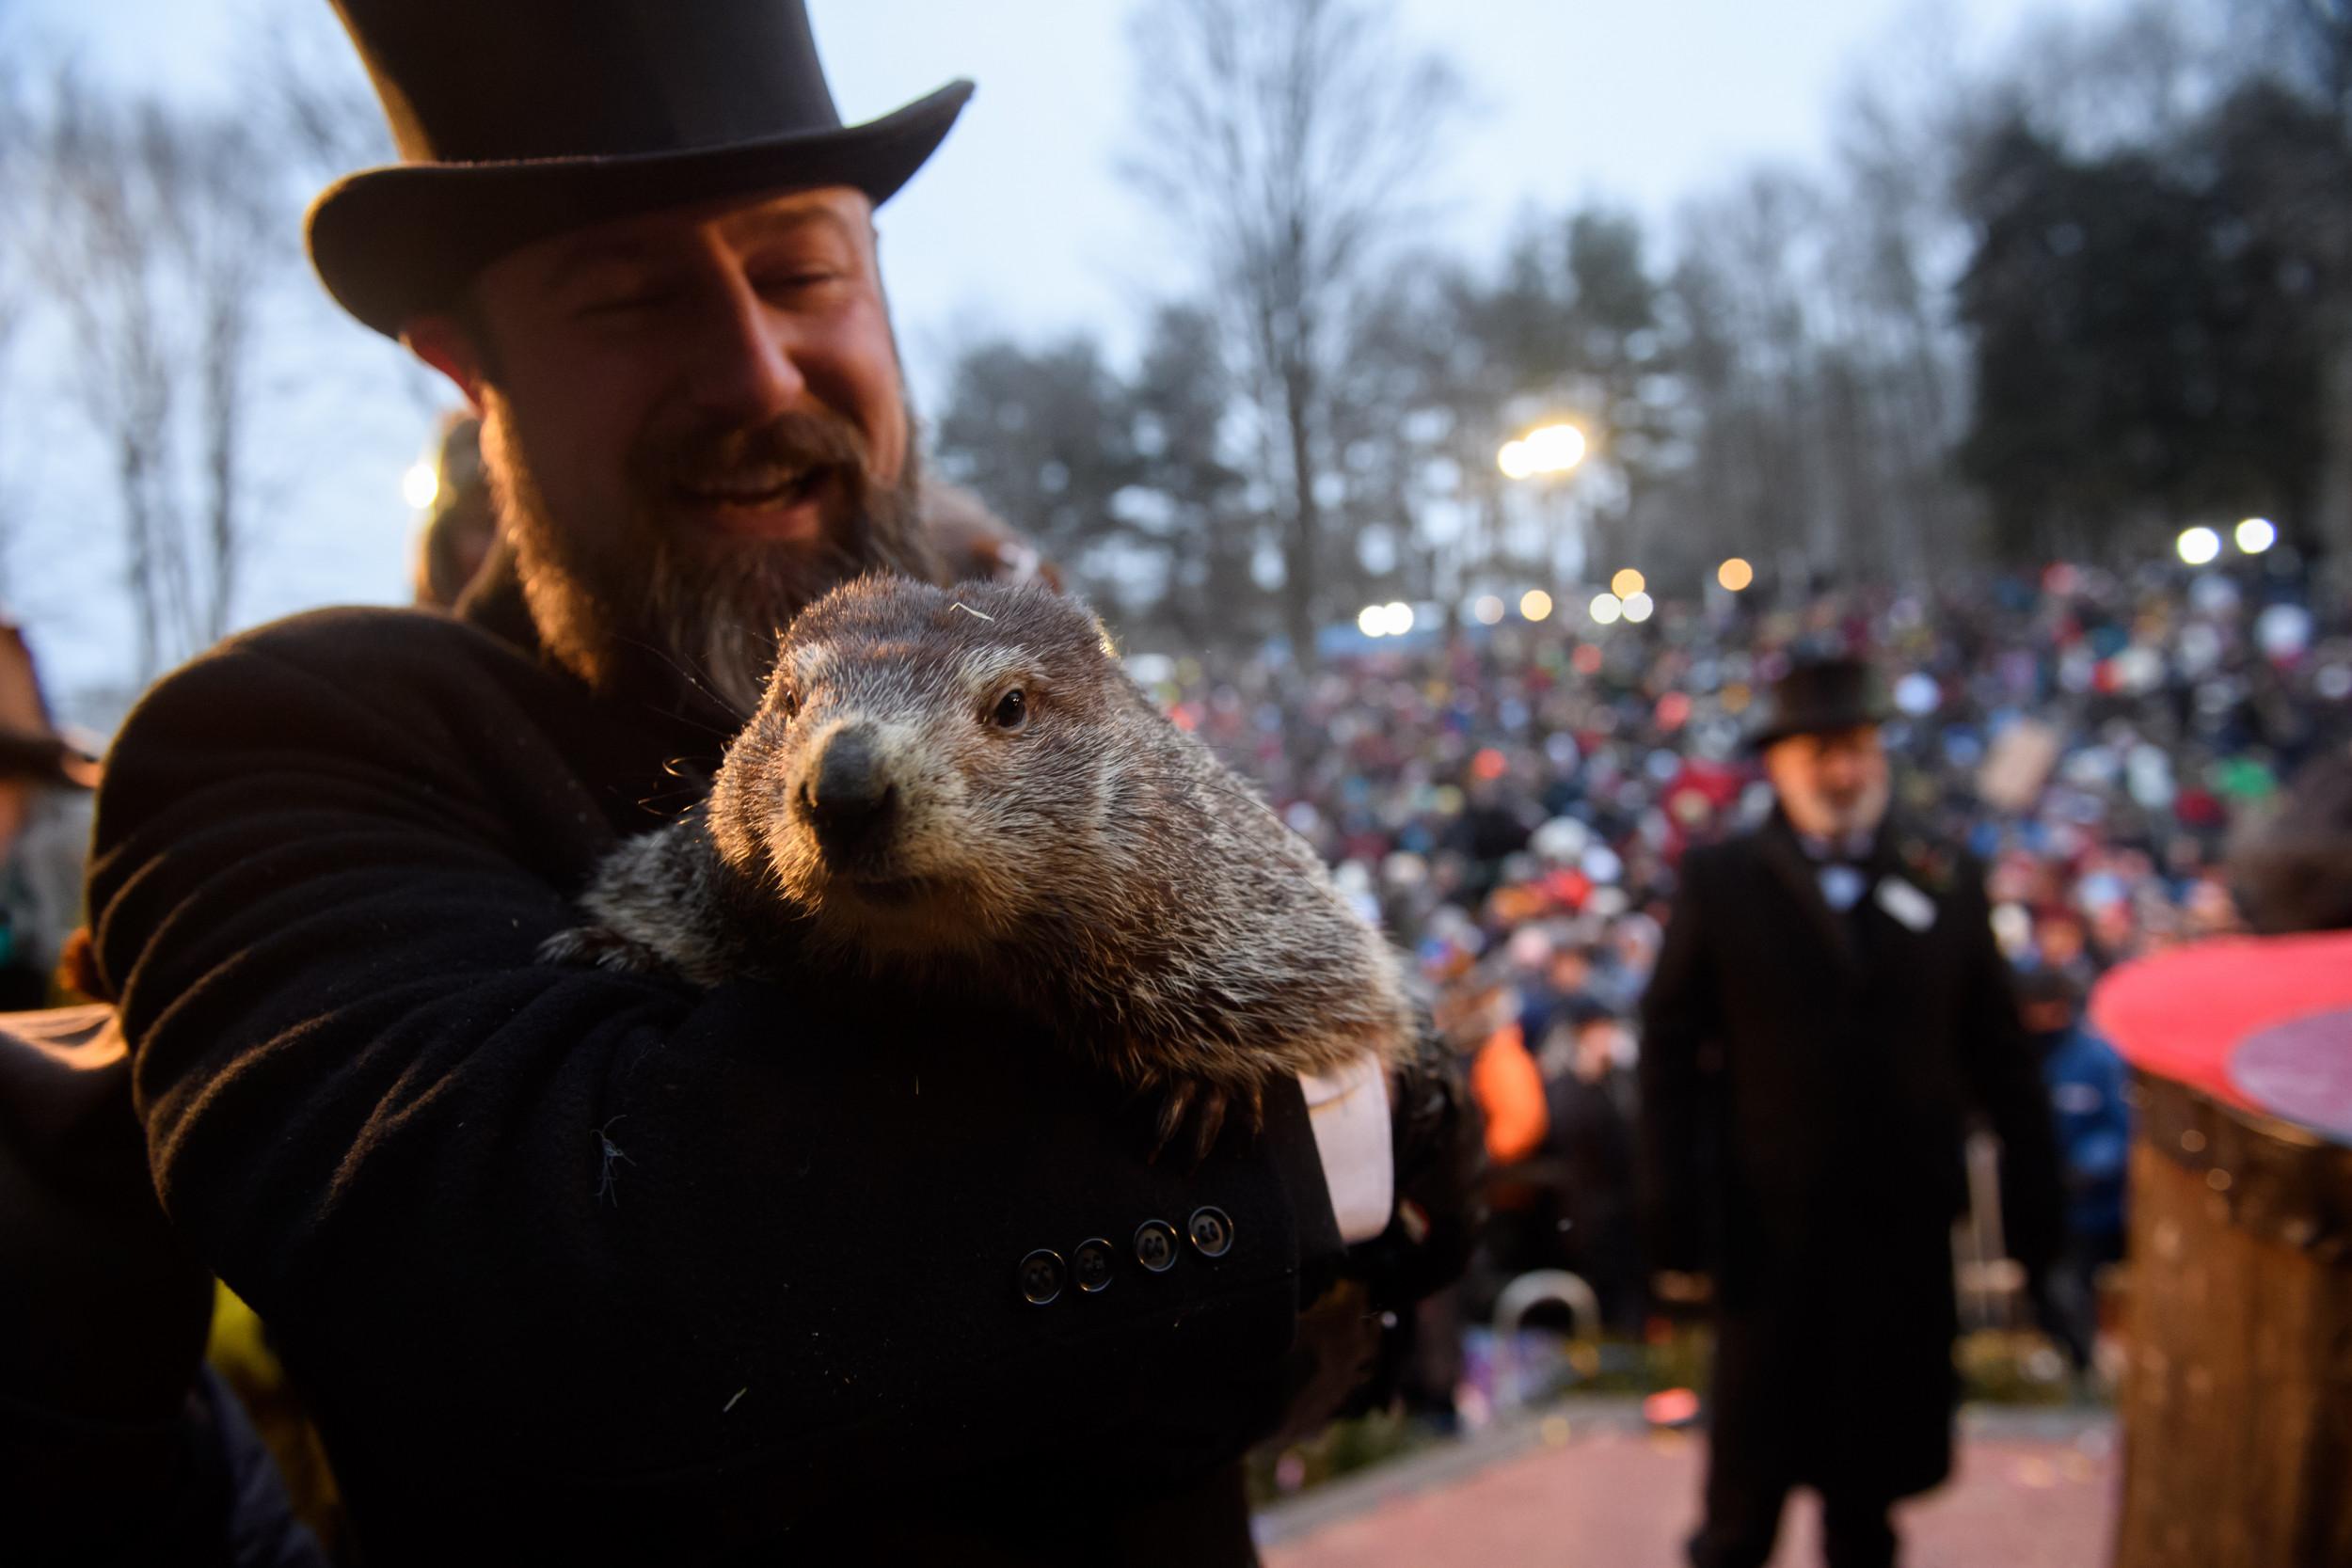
pixel 1511 801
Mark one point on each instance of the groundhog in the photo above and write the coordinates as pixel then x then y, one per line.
pixel 964 786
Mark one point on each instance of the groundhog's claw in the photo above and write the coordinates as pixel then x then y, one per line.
pixel 1194 1113
pixel 601 947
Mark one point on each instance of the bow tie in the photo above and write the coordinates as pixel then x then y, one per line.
pixel 1841 886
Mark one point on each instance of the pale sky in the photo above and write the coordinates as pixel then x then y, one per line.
pixel 1020 223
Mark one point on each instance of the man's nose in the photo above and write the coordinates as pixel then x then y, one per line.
pixel 743 362
pixel 1840 772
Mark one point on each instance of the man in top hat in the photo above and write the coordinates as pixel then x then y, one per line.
pixel 1828 1009
pixel 584 1266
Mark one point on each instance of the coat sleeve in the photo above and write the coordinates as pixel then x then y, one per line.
pixel 1681 1022
pixel 518 1217
pixel 2004 1078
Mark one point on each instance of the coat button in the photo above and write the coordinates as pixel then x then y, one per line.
pixel 1041 1275
pixel 1090 1265
pixel 1156 1246
pixel 1211 1233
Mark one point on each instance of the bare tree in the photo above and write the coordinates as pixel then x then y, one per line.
pixel 1178 401
pixel 162 230
pixel 10 314
pixel 13 288
pixel 2304 44
pixel 1900 245
pixel 1285 140
pixel 308 92
pixel 222 226
pixel 1749 306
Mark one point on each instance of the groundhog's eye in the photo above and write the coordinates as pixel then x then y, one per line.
pixel 788 703
pixel 1012 710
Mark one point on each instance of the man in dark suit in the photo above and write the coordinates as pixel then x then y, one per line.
pixel 1829 1007
pixel 589 1266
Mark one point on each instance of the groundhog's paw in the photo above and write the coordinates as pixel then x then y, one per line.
pixel 1194 1113
pixel 601 947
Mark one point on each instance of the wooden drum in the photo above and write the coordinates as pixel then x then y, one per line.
pixel 2237 1402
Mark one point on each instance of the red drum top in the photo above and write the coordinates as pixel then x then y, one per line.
pixel 2264 1023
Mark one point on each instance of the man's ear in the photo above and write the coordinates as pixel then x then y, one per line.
pixel 440 341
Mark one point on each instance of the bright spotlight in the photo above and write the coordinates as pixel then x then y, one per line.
pixel 1638 607
pixel 1373 622
pixel 2257 534
pixel 1556 448
pixel 1627 583
pixel 1735 574
pixel 1536 604
pixel 2198 546
pixel 1400 618
pixel 420 485
pixel 1607 607
pixel 1489 609
pixel 1552 448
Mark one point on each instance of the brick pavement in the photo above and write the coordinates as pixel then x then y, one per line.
pixel 1587 1485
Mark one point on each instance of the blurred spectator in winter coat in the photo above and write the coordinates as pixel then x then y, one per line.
pixel 2093 1126
pixel 1588 1092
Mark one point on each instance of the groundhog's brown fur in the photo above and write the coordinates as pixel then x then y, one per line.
pixel 1023 818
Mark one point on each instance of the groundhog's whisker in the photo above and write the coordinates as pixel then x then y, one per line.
pixel 696 678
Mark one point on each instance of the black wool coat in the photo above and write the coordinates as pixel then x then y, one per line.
pixel 591 1267
pixel 1808 1082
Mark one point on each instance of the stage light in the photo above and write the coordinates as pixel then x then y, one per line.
pixel 1552 448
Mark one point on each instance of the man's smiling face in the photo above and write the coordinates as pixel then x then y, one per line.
pixel 695 423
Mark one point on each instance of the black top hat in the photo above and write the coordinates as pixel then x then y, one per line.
pixel 1820 696
pixel 30 746
pixel 521 118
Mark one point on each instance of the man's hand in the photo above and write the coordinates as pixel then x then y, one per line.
pixel 1440 1171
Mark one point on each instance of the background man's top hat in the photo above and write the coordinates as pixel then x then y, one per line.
pixel 522 119
pixel 30 747
pixel 1820 696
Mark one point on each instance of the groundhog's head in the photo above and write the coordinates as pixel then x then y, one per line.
pixel 927 762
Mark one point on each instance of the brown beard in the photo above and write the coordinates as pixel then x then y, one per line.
pixel 655 607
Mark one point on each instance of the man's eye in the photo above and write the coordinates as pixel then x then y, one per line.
pixel 794 280
pixel 631 302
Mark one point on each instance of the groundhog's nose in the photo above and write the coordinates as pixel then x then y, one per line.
pixel 847 796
